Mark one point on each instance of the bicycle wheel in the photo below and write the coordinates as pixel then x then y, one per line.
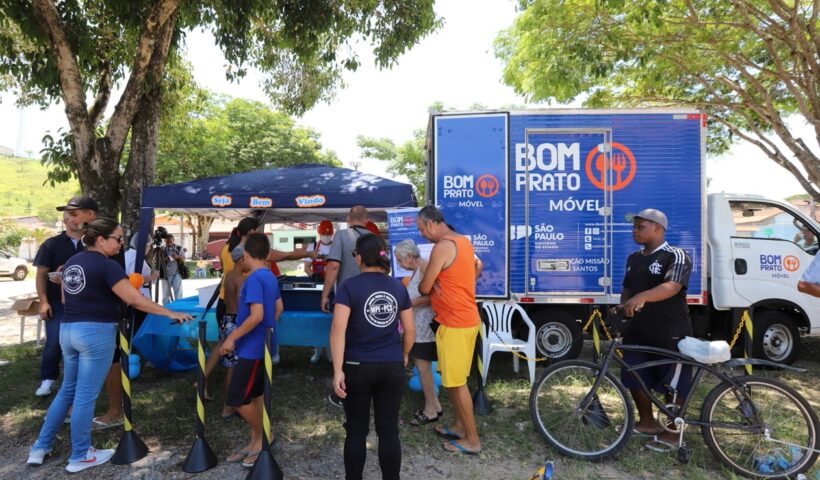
pixel 739 421
pixel 593 433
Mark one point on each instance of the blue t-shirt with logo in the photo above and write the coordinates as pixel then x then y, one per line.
pixel 375 300
pixel 260 287
pixel 87 281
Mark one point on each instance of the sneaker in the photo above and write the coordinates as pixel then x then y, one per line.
pixel 93 457
pixel 275 359
pixel 317 354
pixel 45 388
pixel 335 400
pixel 36 456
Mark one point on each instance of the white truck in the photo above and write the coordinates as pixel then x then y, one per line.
pixel 546 196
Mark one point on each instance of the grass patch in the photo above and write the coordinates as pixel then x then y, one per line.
pixel 22 191
pixel 313 432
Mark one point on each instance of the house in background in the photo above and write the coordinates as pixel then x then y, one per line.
pixel 6 151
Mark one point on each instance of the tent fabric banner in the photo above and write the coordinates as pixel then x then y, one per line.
pixel 299 192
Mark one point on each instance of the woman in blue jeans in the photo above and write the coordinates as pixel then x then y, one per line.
pixel 94 286
pixel 369 356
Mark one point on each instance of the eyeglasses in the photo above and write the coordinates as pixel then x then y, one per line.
pixel 117 238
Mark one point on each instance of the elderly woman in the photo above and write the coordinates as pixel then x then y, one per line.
pixel 424 350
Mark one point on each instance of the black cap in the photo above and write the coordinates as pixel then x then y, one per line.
pixel 80 203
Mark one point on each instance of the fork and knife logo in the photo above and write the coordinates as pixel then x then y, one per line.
pixel 621 164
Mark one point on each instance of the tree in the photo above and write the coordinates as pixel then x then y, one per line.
pixel 71 51
pixel 216 135
pixel 408 159
pixel 749 64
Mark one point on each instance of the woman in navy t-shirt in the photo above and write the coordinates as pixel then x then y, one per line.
pixel 369 356
pixel 93 288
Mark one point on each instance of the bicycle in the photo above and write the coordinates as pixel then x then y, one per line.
pixel 756 426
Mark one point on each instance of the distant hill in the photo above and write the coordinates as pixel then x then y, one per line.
pixel 22 191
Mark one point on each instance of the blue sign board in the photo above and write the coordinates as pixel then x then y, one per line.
pixel 470 168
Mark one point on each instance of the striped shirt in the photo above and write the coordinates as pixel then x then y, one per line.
pixel 662 323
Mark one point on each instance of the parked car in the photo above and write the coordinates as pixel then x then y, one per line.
pixel 11 266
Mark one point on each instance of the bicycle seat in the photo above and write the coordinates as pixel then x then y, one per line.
pixel 705 352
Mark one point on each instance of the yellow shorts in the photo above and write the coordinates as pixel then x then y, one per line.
pixel 455 348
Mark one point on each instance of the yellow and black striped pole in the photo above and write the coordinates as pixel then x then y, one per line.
pixel 131 447
pixel 481 403
pixel 596 335
pixel 265 466
pixel 748 339
pixel 201 457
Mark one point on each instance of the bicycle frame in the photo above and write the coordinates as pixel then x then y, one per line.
pixel 673 358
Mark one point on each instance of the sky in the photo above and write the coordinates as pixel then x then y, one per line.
pixel 455 65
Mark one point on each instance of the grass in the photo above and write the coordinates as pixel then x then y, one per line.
pixel 313 434
pixel 22 191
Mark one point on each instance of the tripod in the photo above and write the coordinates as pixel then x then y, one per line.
pixel 160 263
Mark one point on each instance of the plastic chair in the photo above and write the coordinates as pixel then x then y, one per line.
pixel 497 336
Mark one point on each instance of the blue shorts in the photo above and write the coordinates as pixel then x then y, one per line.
pixel 662 378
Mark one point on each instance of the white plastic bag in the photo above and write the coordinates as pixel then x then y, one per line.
pixel 705 352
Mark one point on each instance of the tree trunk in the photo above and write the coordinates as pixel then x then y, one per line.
pixel 141 170
pixel 203 229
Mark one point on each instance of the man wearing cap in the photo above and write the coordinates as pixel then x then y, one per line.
pixel 316 268
pixel 51 256
pixel 654 299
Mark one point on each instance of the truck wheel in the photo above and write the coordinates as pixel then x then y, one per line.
pixel 776 337
pixel 20 273
pixel 558 336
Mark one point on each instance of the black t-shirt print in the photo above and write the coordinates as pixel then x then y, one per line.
pixel 660 324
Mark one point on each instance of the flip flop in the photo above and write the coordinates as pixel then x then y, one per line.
pixel 444 431
pixel 660 446
pixel 249 463
pixel 98 424
pixel 237 456
pixel 421 418
pixel 458 448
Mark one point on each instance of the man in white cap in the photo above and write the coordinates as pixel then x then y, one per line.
pixel 654 298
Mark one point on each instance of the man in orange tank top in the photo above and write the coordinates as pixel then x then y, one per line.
pixel 450 282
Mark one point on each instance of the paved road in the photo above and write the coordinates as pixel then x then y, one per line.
pixel 11 291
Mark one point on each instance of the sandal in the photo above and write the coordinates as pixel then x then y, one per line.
pixel 251 459
pixel 455 447
pixel 445 432
pixel 237 456
pixel 421 418
pixel 99 424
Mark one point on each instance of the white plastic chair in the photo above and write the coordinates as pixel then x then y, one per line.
pixel 496 334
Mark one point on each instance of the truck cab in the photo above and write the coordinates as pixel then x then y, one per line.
pixel 758 250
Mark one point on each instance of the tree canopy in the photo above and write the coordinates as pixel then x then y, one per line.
pixel 749 64
pixel 215 135
pixel 78 52
pixel 406 159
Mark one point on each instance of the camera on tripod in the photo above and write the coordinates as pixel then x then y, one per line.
pixel 159 235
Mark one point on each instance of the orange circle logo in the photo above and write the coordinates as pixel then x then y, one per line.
pixel 622 167
pixel 486 186
pixel 791 263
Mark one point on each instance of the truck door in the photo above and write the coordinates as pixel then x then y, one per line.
pixel 566 250
pixel 772 249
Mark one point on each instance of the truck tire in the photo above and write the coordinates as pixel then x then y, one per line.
pixel 776 337
pixel 557 335
pixel 20 273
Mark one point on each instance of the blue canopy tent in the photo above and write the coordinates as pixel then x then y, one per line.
pixel 303 193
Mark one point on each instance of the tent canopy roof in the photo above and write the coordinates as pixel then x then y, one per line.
pixel 304 193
